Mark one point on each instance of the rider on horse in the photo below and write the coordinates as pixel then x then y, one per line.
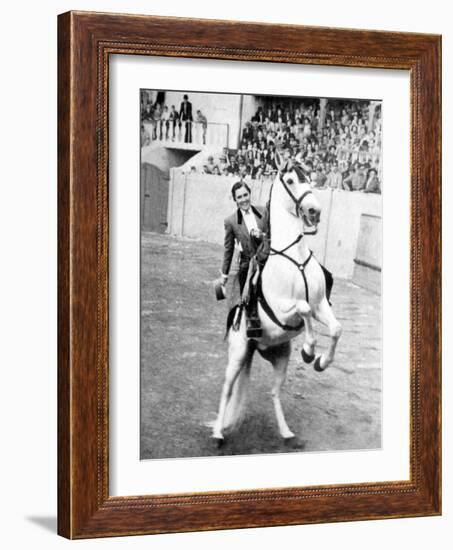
pixel 291 292
pixel 249 229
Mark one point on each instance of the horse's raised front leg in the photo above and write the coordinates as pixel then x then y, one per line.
pixel 293 313
pixel 308 347
pixel 239 357
pixel 324 315
pixel 279 357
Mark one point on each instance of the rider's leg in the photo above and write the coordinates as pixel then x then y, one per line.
pixel 250 299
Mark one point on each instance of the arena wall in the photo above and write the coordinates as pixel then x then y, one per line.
pixel 198 204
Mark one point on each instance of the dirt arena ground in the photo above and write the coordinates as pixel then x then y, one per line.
pixel 184 357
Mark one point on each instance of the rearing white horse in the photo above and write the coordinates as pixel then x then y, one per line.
pixel 293 292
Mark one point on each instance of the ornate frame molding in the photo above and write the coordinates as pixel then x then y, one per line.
pixel 86 40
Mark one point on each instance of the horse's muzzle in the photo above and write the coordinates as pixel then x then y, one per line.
pixel 313 217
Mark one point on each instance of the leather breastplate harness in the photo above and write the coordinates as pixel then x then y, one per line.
pixel 300 266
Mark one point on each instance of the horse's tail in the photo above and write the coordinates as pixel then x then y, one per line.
pixel 235 409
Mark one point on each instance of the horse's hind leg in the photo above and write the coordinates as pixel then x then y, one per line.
pixel 239 355
pixel 279 357
pixel 324 314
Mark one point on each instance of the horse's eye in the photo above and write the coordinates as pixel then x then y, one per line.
pixel 311 211
pixel 289 181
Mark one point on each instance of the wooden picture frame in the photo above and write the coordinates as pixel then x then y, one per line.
pixel 85 41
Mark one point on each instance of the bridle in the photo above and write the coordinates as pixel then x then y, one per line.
pixel 297 202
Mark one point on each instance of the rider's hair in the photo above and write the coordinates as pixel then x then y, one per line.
pixel 237 186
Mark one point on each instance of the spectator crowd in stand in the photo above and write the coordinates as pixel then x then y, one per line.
pixel 342 154
pixel 341 151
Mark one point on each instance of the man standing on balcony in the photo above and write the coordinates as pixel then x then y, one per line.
pixel 174 122
pixel 185 115
pixel 203 122
pixel 164 124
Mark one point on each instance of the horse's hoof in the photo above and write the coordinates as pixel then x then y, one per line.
pixel 295 443
pixel 219 441
pixel 288 436
pixel 306 356
pixel 317 365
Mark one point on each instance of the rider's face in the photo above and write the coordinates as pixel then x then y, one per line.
pixel 242 197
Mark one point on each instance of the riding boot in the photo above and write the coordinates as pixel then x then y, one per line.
pixel 254 329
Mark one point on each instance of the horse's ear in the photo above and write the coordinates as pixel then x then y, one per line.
pixel 279 162
pixel 300 173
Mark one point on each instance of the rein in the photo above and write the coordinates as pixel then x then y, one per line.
pixel 299 238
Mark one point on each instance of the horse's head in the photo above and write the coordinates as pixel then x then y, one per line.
pixel 298 197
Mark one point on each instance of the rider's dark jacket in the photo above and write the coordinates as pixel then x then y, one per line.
pixel 236 231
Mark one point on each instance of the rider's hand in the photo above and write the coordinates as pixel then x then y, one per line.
pixel 257 233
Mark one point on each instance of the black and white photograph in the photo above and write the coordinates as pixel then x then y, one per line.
pixel 220 329
pixel 261 236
